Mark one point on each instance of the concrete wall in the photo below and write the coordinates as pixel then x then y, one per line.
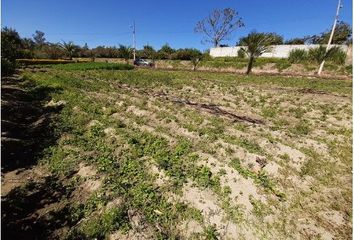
pixel 278 51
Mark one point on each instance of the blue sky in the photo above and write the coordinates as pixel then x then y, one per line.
pixel 107 22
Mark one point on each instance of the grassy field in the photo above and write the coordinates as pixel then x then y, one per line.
pixel 151 154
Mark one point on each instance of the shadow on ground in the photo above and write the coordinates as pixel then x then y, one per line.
pixel 26 123
pixel 36 210
pixel 39 207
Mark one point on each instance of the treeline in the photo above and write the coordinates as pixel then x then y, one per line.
pixel 342 35
pixel 15 47
pixel 37 47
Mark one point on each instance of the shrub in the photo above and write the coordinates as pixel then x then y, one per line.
pixel 7 67
pixel 297 55
pixel 317 54
pixel 337 55
pixel 186 54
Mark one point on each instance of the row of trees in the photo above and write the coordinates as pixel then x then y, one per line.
pixel 37 47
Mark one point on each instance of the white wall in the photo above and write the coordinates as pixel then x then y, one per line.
pixel 279 51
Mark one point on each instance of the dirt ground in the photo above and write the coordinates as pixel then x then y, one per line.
pixel 149 154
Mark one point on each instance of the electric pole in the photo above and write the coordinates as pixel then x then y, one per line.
pixel 134 43
pixel 331 36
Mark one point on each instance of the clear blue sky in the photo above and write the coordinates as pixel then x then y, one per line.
pixel 107 22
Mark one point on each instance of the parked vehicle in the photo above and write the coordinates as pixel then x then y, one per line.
pixel 143 62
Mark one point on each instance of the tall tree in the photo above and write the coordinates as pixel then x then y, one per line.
pixel 165 52
pixel 148 52
pixel 219 25
pixel 255 44
pixel 70 48
pixel 39 38
pixel 125 52
pixel 342 34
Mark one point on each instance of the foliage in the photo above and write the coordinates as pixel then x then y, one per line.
pixel 295 41
pixel 342 35
pixel 70 48
pixel 39 38
pixel 257 44
pixel 42 61
pixel 241 53
pixel 297 55
pixel 320 54
pixel 165 52
pixel 186 54
pixel 219 25
pixel 94 65
pixel 125 52
pixel 147 52
pixel 10 49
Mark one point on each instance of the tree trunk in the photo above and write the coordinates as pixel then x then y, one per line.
pixel 250 64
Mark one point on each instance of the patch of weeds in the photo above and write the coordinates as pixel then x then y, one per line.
pixel 204 177
pixel 98 227
pixel 259 208
pixel 251 146
pixel 285 157
pixel 260 178
pixel 298 112
pixel 269 112
pixel 211 233
pixel 302 128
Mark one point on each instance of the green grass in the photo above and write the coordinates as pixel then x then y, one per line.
pixel 124 160
pixel 93 66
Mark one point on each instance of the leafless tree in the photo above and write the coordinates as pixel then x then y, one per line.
pixel 219 25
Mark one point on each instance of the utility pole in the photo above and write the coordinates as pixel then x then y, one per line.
pixel 331 36
pixel 134 43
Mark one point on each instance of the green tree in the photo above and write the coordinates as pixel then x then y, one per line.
pixel 255 44
pixel 39 38
pixel 125 52
pixel 342 34
pixel 219 25
pixel 295 41
pixel 11 45
pixel 70 48
pixel 148 52
pixel 165 52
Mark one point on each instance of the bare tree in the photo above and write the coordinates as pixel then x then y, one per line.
pixel 219 25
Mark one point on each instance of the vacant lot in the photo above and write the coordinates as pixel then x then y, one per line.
pixel 145 154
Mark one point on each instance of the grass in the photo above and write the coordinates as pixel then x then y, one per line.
pixel 172 137
pixel 93 66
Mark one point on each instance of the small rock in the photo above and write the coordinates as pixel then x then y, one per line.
pixel 52 103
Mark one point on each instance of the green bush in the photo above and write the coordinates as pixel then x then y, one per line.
pixel 7 67
pixel 337 55
pixel 297 55
pixel 318 54
pixel 186 54
pixel 334 54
